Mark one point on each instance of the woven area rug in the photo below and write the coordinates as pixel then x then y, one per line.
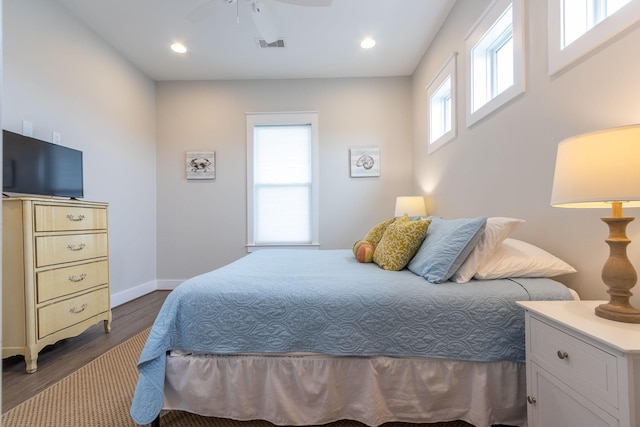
pixel 99 395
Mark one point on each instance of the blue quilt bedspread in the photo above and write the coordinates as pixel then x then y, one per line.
pixel 278 301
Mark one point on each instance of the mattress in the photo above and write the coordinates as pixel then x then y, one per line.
pixel 284 301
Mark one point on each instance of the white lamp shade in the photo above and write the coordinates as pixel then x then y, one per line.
pixel 596 169
pixel 410 206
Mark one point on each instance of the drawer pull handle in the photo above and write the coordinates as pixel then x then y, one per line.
pixel 79 278
pixel 75 218
pixel 76 310
pixel 563 355
pixel 74 248
pixel 531 400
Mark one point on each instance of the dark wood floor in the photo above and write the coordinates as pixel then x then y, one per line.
pixel 65 357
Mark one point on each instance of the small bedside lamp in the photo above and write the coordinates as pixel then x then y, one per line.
pixel 598 170
pixel 411 206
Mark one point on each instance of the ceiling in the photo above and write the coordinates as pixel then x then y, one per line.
pixel 320 42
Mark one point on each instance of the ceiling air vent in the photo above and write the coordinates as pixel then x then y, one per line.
pixel 263 43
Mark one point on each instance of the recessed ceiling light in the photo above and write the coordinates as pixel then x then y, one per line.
pixel 367 43
pixel 178 48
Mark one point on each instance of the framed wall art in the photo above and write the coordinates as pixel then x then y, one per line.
pixel 365 162
pixel 201 164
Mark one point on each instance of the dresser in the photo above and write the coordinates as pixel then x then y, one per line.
pixel 55 273
pixel 582 370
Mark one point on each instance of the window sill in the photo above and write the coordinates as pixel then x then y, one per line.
pixel 304 246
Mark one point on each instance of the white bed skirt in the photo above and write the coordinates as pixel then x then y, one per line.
pixel 318 389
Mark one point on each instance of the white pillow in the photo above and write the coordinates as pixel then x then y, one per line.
pixel 515 258
pixel 497 229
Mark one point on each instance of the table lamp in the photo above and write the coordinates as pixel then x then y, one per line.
pixel 601 170
pixel 411 206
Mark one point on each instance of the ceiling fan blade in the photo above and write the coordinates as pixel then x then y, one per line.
pixel 202 12
pixel 264 21
pixel 312 3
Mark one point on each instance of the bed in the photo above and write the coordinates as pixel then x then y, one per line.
pixel 299 337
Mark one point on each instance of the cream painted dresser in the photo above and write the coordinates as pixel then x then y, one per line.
pixel 55 272
pixel 582 370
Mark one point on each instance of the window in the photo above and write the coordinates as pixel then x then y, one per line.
pixel 576 27
pixel 495 51
pixel 502 67
pixel 442 106
pixel 578 17
pixel 282 180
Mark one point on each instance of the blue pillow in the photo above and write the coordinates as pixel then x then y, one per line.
pixel 447 245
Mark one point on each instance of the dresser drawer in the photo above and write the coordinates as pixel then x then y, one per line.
pixel 69 218
pixel 585 368
pixel 63 314
pixel 64 281
pixel 52 250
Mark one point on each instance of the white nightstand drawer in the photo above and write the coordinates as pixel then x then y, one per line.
pixel 562 406
pixel 587 369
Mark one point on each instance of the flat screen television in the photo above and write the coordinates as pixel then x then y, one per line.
pixel 36 167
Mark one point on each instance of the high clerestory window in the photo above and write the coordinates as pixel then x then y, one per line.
pixel 442 106
pixel 495 54
pixel 576 27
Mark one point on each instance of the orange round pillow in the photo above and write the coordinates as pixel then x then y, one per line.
pixel 356 245
pixel 363 251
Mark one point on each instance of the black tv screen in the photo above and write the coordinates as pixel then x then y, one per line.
pixel 32 166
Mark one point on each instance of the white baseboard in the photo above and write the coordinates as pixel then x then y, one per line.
pixel 143 289
pixel 133 293
pixel 167 285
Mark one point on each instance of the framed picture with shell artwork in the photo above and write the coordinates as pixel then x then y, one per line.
pixel 365 162
pixel 201 164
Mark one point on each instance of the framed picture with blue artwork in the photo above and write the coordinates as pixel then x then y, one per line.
pixel 365 162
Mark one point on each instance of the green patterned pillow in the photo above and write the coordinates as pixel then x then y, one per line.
pixel 375 234
pixel 400 242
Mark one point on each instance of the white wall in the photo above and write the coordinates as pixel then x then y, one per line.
pixel 202 224
pixel 60 76
pixel 504 164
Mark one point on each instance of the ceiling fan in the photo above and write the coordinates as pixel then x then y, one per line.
pixel 261 16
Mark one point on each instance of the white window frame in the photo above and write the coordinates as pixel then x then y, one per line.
pixel 476 37
pixel 560 58
pixel 286 118
pixel 434 96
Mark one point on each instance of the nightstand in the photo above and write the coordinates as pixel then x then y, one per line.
pixel 582 370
